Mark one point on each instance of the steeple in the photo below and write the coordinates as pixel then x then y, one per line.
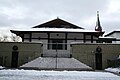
pixel 98 26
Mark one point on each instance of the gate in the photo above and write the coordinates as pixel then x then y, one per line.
pixel 14 61
pixel 98 58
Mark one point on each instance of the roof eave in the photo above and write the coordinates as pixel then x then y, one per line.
pixel 111 33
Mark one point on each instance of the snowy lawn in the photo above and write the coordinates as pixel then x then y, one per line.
pixel 55 75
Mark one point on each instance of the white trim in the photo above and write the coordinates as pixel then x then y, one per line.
pixel 55 30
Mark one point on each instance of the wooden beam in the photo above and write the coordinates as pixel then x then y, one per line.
pixel 22 37
pixel 84 37
pixel 91 38
pixel 48 40
pixel 66 34
pixel 30 39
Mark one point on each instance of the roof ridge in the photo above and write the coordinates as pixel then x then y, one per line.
pixel 58 23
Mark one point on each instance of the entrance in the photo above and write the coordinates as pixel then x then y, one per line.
pixel 98 58
pixel 14 62
pixel 56 47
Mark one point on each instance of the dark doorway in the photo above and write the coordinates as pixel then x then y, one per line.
pixel 14 62
pixel 98 60
pixel 57 44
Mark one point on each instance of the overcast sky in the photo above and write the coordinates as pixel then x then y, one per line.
pixel 28 13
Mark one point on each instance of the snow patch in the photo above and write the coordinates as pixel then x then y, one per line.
pixel 55 29
pixel 55 75
pixel 1 67
pixel 115 70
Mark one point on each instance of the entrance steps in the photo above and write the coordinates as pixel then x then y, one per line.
pixel 50 63
pixel 54 55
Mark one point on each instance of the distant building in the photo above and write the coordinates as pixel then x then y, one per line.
pixel 114 34
pixel 106 40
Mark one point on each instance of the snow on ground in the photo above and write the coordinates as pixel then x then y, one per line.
pixel 115 70
pixel 1 67
pixel 55 75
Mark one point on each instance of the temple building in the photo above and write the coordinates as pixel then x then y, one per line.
pixel 57 34
pixel 61 45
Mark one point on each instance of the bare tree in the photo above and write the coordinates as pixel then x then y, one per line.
pixel 5 38
pixel 10 38
pixel 1 38
pixel 15 38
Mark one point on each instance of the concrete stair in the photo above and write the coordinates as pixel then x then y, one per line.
pixel 50 63
pixel 54 55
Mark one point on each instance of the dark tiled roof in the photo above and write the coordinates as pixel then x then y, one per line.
pixel 112 33
pixel 58 23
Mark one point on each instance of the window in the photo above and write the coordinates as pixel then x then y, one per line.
pixel 57 44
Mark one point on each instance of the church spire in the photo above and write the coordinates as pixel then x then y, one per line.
pixel 98 26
